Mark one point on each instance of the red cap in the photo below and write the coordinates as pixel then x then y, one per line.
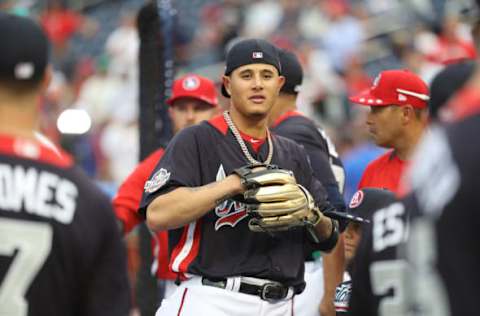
pixel 395 87
pixel 194 86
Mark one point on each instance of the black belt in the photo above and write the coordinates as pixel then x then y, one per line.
pixel 268 291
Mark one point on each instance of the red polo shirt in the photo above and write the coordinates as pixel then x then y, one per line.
pixel 384 172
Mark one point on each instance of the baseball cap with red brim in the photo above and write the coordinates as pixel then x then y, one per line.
pixel 395 87
pixel 196 87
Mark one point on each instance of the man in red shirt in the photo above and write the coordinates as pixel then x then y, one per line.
pixel 194 99
pixel 398 115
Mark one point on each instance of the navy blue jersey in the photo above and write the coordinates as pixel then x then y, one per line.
pixel 378 273
pixel 326 164
pixel 445 219
pixel 60 248
pixel 220 243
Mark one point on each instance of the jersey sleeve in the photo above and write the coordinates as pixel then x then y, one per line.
pixel 107 292
pixel 179 167
pixel 129 195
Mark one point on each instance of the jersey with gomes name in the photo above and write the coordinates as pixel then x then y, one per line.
pixel 326 164
pixel 220 244
pixel 379 274
pixel 60 248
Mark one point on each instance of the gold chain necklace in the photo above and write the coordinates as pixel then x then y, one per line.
pixel 242 144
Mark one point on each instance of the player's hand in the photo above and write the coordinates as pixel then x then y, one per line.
pixel 275 201
pixel 326 307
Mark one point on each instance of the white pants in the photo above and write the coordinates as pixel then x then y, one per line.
pixel 193 298
pixel 170 288
pixel 308 303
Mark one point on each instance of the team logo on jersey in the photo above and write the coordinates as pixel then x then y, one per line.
pixel 356 200
pixel 191 83
pixel 229 212
pixel 157 181
pixel 257 55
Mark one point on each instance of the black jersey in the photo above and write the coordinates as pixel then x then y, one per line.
pixel 326 164
pixel 60 248
pixel 445 219
pixel 220 243
pixel 378 274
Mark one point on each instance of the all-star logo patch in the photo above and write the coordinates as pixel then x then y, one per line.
pixel 157 181
pixel 402 98
pixel 356 200
pixel 191 83
pixel 257 55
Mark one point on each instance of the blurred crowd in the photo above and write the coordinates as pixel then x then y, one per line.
pixel 342 44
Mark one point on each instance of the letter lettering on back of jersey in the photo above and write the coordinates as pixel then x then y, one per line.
pixel 6 187
pixel 46 184
pixel 44 194
pixel 66 197
pixel 388 227
pixel 25 182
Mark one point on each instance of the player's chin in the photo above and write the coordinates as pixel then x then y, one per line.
pixel 258 111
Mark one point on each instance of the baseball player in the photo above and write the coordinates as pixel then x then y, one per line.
pixel 363 203
pixel 383 279
pixel 327 167
pixel 60 249
pixel 193 100
pixel 398 115
pixel 238 225
pixel 442 250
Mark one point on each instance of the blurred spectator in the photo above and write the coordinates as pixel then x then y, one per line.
pixel 122 47
pixel 340 48
pixel 453 42
pixel 60 23
pixel 97 94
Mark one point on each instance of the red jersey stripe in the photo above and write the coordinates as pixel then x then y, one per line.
pixel 194 250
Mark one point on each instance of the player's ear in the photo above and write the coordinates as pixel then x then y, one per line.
pixel 226 84
pixel 408 113
pixel 281 81
pixel 47 78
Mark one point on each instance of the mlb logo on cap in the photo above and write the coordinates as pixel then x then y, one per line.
pixel 191 83
pixel 256 55
pixel 195 87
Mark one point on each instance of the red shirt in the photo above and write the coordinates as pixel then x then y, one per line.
pixel 126 203
pixel 384 172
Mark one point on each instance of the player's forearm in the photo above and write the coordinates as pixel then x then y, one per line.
pixel 333 268
pixel 184 205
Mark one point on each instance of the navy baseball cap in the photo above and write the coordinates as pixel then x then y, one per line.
pixel 367 200
pixel 24 49
pixel 292 71
pixel 447 82
pixel 251 51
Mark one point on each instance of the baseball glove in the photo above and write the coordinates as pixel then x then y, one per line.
pixel 274 200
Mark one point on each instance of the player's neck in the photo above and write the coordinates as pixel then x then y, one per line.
pixel 254 127
pixel 18 116
pixel 285 103
pixel 406 145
